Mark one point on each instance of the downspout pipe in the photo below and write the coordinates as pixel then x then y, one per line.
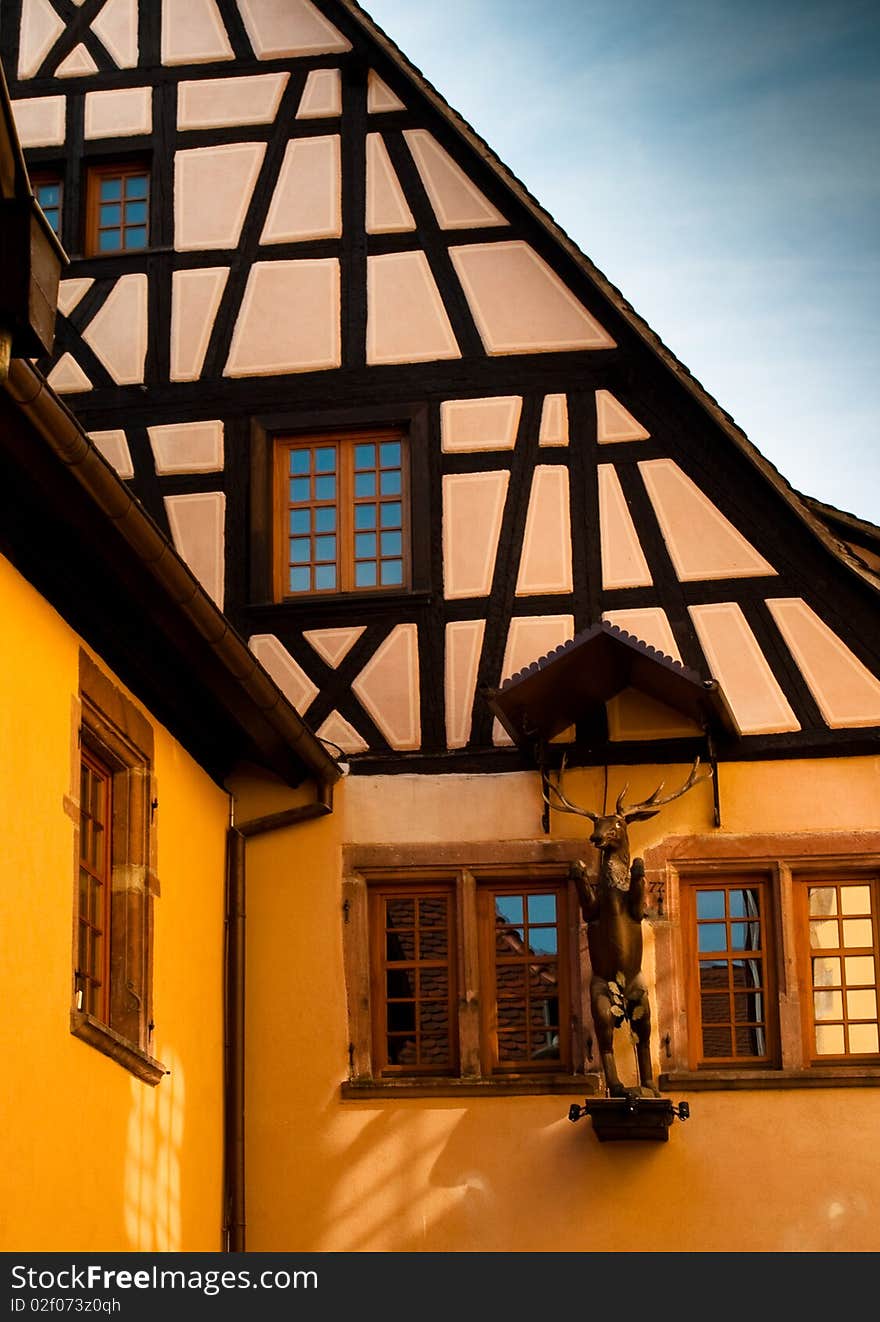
pixel 235 1226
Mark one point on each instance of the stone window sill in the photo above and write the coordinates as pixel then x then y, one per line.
pixel 823 1076
pixel 110 1043
pixel 579 1085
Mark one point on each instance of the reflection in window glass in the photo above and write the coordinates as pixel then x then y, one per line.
pixel 731 997
pixel 844 980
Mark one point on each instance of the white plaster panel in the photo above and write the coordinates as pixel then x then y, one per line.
pixel 322 95
pixel 529 638
pixel 67 377
pixel 307 202
pixel 288 674
pixel 735 659
pixel 480 424
pixel 333 644
pixel 40 29
pixel 634 715
pixel 702 543
pixel 198 527
pixel 337 730
pixel 40 121
pixel 195 298
pixel 846 692
pixel 554 421
pixel 545 563
pixel 78 64
pixel 187 447
pixel 193 33
pixel 614 422
pixel 113 445
pixel 543 317
pixel 380 98
pixel 473 507
pixel 464 643
pixel 119 112
pixel 457 202
pixel 388 687
pixel 117 27
pixel 406 317
pixel 212 192
pixel 223 102
pixel 387 208
pixel 118 331
pixel 650 625
pixel 71 291
pixel 289 319
pixel 623 561
pixel 289 27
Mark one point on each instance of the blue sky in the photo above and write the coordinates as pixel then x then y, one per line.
pixel 720 163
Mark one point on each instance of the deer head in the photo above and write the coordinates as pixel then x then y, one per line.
pixel 610 829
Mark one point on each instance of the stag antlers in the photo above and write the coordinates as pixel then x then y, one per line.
pixel 635 812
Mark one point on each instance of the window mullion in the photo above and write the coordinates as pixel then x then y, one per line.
pixel 468 976
pixel 345 515
pixel 790 991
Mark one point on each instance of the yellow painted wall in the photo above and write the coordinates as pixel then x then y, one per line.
pixel 92 1158
pixel 782 1170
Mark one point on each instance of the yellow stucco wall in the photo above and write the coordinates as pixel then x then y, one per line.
pixel 783 1170
pixel 92 1158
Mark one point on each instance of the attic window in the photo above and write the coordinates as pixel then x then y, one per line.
pixel 342 514
pixel 117 208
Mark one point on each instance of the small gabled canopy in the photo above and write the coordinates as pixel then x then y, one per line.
pixel 563 688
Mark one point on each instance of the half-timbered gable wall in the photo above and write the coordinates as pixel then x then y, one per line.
pixel 329 253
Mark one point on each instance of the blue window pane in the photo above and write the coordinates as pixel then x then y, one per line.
pixel 300 489
pixel 743 904
pixel 111 190
pixel 542 940
pixel 300 550
pixel 53 215
pixel 365 456
pixel 136 238
pixel 392 543
pixel 325 488
pixel 325 548
pixel 135 213
pixel 710 904
pixel 542 908
pixel 300 580
pixel 365 516
pixel 391 515
pixel 300 461
pixel 365 575
pixel 712 936
pixel 49 195
pixel 136 186
pixel 325 519
pixel 392 573
pixel 365 484
pixel 389 483
pixel 111 214
pixel 325 459
pixel 509 908
pixel 325 578
pixel 300 521
pixel 744 936
pixel 109 241
pixel 365 545
pixel 389 454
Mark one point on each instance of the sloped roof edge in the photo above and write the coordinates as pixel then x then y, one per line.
pixel 46 413
pixel 799 503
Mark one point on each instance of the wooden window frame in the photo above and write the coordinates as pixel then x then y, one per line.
pixel 345 502
pixel 786 862
pixel 113 734
pixel 95 174
pixel 475 1069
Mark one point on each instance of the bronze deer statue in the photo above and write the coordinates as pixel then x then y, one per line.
pixel 613 907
